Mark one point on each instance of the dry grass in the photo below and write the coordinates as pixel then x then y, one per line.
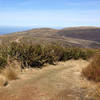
pixel 3 81
pixel 92 71
pixel 10 73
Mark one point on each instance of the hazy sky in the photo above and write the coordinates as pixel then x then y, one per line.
pixel 50 13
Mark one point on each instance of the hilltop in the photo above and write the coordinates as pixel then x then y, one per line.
pixel 88 37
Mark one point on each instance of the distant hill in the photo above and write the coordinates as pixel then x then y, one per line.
pixel 88 37
pixel 86 33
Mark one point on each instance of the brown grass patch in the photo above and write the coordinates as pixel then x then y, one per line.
pixel 10 73
pixel 3 81
pixel 92 71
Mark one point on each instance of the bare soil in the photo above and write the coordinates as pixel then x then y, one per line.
pixel 54 82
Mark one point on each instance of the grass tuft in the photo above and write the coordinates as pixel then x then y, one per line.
pixel 10 73
pixel 92 71
pixel 3 81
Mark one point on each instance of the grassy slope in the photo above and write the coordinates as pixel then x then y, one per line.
pixel 76 36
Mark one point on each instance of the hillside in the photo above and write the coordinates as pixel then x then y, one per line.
pixel 87 33
pixel 88 37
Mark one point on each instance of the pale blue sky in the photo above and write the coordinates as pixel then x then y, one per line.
pixel 50 13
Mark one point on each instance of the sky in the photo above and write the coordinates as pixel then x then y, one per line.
pixel 50 13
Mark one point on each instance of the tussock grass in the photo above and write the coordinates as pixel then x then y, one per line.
pixel 10 73
pixel 3 81
pixel 92 71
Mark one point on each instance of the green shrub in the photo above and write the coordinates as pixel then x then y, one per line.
pixel 35 55
pixel 3 62
pixel 3 56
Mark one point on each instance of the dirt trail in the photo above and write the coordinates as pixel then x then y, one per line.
pixel 59 82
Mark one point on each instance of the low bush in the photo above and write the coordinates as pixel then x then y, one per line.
pixel 3 56
pixel 3 62
pixel 35 55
